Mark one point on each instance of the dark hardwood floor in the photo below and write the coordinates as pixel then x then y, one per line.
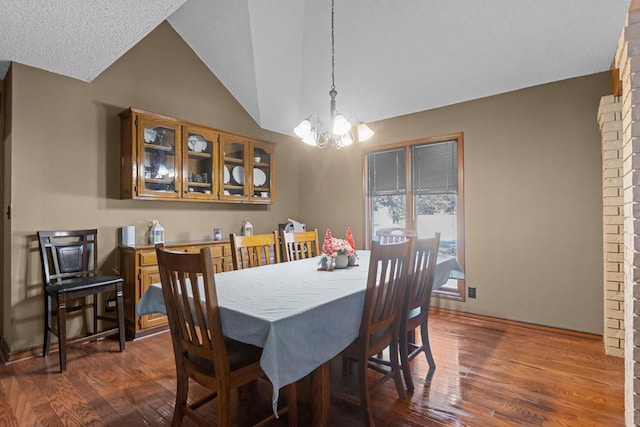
pixel 488 374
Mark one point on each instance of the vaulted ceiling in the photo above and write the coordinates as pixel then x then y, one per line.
pixel 391 57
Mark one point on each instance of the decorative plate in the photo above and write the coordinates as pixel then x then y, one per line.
pixel 259 177
pixel 197 143
pixel 227 175
pixel 149 135
pixel 238 174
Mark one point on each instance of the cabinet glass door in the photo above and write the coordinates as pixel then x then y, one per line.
pixel 233 174
pixel 158 169
pixel 199 151
pixel 261 172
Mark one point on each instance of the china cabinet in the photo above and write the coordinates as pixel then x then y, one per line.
pixel 165 158
pixel 199 180
pixel 139 269
pixel 151 146
pixel 247 170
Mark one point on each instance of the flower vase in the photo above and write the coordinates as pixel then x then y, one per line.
pixel 342 261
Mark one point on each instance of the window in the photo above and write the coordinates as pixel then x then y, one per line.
pixel 418 185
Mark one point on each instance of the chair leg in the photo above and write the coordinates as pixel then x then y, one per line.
pixel 365 400
pixel 121 324
pixel 62 331
pixel 395 366
pixel 224 401
pixel 404 361
pixel 47 326
pixel 182 391
pixel 424 333
pixel 95 313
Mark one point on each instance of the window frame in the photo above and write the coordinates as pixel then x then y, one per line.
pixel 458 294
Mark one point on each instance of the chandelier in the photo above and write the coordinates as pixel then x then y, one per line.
pixel 341 131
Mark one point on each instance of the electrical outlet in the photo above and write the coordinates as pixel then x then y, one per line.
pixel 471 292
pixel 110 304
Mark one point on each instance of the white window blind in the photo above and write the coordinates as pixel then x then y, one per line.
pixel 435 168
pixel 387 171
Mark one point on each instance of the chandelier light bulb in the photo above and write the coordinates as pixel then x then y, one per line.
pixel 303 130
pixel 364 132
pixel 341 125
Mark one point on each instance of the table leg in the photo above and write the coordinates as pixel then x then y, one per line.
pixel 320 395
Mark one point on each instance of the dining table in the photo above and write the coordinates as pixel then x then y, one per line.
pixel 300 315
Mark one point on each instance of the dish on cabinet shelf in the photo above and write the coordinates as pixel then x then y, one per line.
pixel 238 174
pixel 227 175
pixel 150 135
pixel 197 143
pixel 259 177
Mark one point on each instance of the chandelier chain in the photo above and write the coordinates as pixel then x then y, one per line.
pixel 341 131
pixel 333 53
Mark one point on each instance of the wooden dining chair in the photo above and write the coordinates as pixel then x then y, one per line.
pixel 380 323
pixel 202 353
pixel 392 235
pixel 70 273
pixel 415 310
pixel 254 250
pixel 416 307
pixel 299 245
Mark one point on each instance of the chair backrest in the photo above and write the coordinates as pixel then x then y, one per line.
pixel 394 235
pixel 388 271
pixel 255 250
pixel 66 254
pixel 420 282
pixel 299 245
pixel 189 290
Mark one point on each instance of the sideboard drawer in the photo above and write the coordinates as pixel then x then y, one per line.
pixel 148 258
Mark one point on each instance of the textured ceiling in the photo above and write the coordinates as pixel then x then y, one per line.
pixel 391 57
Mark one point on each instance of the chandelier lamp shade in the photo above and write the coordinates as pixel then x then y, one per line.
pixel 341 131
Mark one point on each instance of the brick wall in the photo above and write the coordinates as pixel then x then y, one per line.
pixel 610 120
pixel 627 60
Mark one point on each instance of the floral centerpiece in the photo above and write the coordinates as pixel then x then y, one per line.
pixel 336 252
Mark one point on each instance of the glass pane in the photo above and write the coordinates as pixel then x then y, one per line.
pixel 438 213
pixel 199 164
pixel 234 173
pixel 159 159
pixel 388 211
pixel 261 173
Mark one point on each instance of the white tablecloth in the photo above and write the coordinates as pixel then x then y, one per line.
pixel 300 316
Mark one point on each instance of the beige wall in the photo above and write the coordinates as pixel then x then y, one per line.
pixel 533 198
pixel 532 181
pixel 66 145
